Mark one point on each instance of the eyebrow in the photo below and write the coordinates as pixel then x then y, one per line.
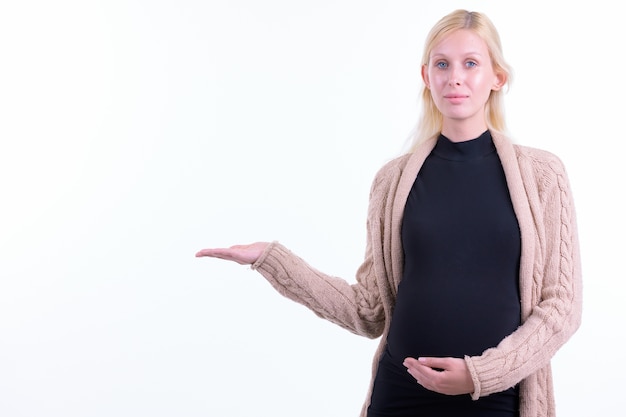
pixel 465 55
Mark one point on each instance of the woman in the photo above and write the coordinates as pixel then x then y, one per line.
pixel 472 271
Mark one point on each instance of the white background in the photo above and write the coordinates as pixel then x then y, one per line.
pixel 134 133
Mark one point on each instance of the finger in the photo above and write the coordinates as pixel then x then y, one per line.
pixel 204 252
pixel 415 374
pixel 434 363
pixel 410 362
pixel 417 370
pixel 414 368
pixel 417 364
pixel 214 252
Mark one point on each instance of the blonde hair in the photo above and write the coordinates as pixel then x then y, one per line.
pixel 431 119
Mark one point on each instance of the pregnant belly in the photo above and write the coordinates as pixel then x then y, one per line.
pixel 462 320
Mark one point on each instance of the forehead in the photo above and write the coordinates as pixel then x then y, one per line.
pixel 460 42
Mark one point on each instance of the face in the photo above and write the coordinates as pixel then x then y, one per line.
pixel 460 78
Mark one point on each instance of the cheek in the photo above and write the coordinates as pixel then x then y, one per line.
pixel 436 82
pixel 483 83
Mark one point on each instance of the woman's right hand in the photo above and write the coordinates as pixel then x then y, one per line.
pixel 242 254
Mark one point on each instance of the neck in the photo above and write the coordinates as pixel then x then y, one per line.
pixel 462 133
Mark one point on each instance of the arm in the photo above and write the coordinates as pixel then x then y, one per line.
pixel 557 292
pixel 357 307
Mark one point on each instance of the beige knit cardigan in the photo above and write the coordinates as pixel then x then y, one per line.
pixel 549 275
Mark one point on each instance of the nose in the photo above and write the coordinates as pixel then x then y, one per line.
pixel 455 78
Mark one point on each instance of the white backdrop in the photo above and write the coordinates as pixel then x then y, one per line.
pixel 134 133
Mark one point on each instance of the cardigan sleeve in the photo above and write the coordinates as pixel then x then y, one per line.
pixel 353 306
pixel 557 285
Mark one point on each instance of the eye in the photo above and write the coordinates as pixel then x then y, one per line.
pixel 471 64
pixel 441 64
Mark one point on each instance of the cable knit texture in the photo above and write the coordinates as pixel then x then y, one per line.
pixel 549 277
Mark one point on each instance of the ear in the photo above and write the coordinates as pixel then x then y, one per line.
pixel 499 82
pixel 425 76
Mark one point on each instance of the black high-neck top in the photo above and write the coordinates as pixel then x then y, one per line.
pixel 459 293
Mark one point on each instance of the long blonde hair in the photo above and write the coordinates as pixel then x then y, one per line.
pixel 431 120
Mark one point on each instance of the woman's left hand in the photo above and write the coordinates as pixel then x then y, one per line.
pixel 443 375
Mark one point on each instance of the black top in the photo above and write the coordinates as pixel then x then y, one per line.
pixel 459 293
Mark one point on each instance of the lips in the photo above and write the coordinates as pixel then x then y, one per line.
pixel 455 98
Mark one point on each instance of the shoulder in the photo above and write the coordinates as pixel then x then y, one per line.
pixel 401 170
pixel 392 167
pixel 541 167
pixel 539 158
pixel 389 174
pixel 536 154
pixel 386 181
pixel 527 157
